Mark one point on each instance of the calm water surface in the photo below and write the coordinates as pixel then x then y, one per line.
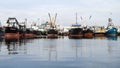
pixel 99 52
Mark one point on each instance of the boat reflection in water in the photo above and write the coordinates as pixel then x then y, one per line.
pixel 1 40
pixel 53 53
pixel 112 43
pixel 112 37
pixel 15 46
pixel 58 49
pixel 50 50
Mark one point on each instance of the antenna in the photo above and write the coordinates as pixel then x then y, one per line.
pixel 0 24
pixel 55 18
pixel 81 18
pixel 38 21
pixel 90 17
pixel 25 22
pixel 110 19
pixel 76 17
pixel 50 18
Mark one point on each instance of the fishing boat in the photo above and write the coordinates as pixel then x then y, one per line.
pixel 88 32
pixel 111 30
pixel 29 33
pixel 36 31
pixel 99 31
pixel 12 29
pixel 52 31
pixel 76 30
pixel 42 28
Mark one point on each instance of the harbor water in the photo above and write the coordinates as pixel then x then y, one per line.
pixel 97 52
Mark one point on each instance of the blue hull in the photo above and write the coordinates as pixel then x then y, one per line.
pixel 112 32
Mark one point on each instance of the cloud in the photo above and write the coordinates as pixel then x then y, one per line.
pixel 66 9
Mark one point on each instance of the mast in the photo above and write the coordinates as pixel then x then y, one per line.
pixel 110 21
pixel 25 22
pixel 0 24
pixel 52 20
pixel 55 18
pixel 76 18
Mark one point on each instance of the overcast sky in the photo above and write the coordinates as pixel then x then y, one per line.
pixel 38 9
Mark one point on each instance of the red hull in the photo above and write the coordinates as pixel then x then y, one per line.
pixel 12 35
pixel 76 35
pixel 88 35
pixel 29 35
